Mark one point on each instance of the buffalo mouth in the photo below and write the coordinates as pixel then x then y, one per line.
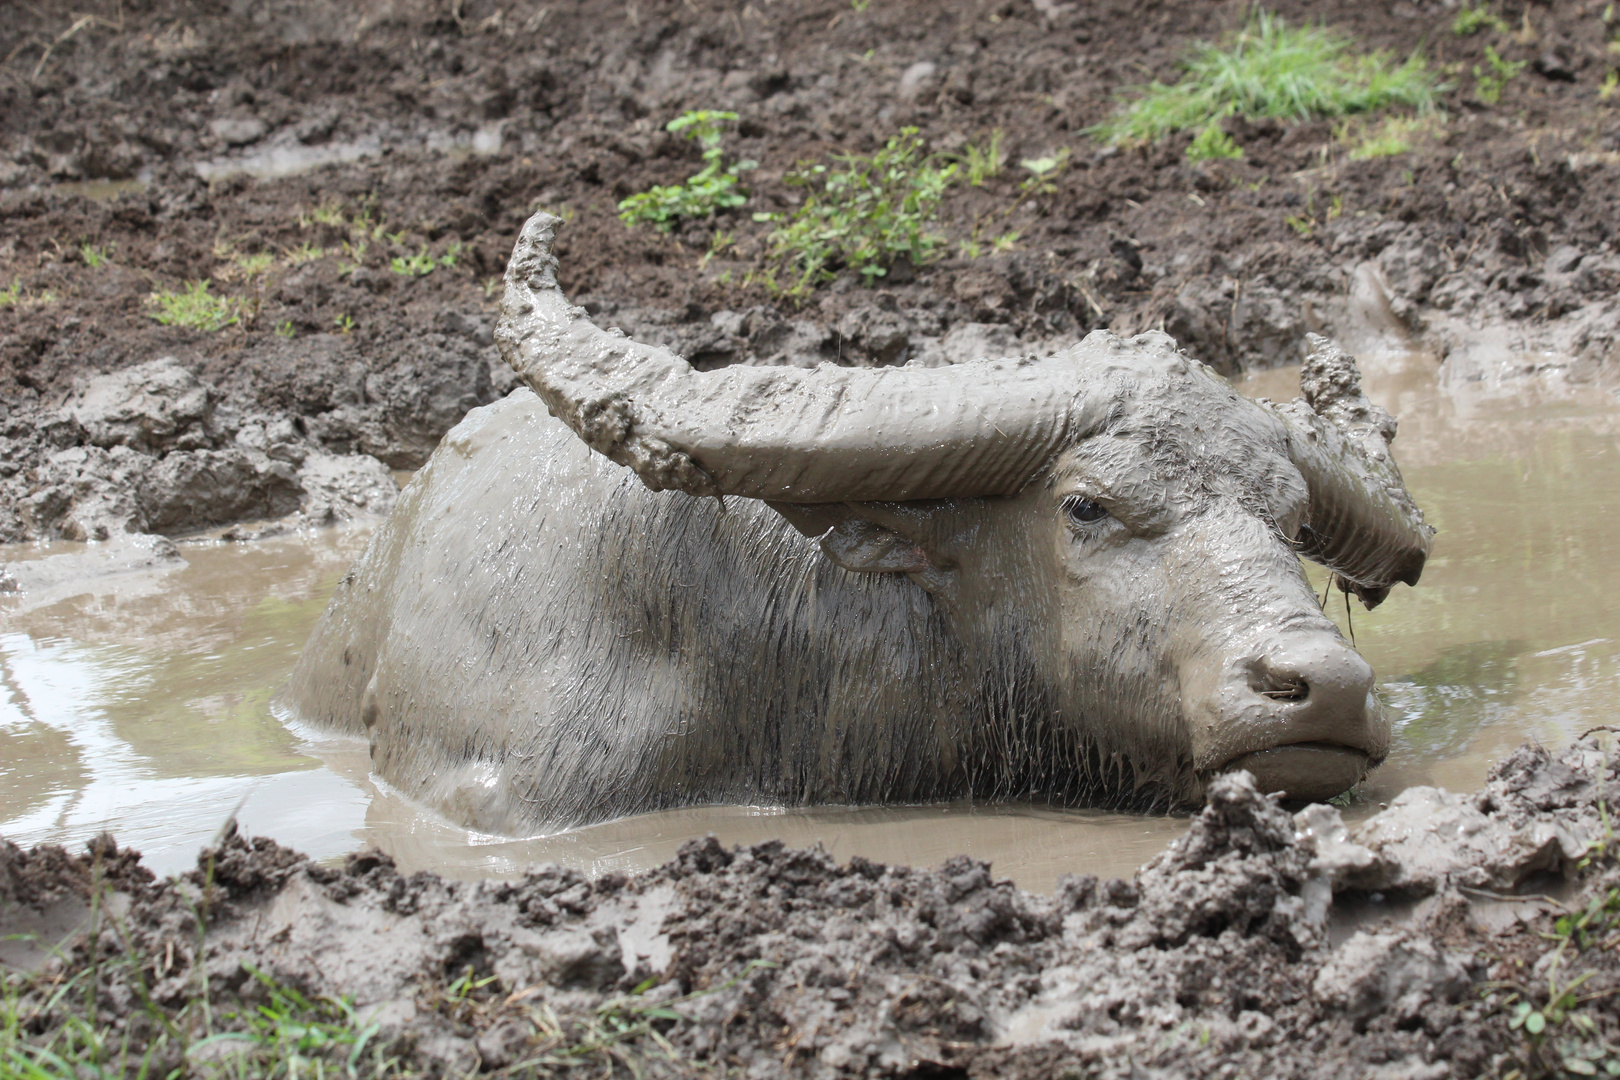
pixel 1304 772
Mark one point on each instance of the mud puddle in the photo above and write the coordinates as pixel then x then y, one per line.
pixel 139 702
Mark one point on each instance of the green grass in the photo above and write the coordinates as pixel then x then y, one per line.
pixel 1213 144
pixel 195 307
pixel 423 263
pixel 1491 80
pixel 714 187
pixel 1391 136
pixel 984 162
pixel 1272 70
pixel 1042 171
pixel 11 295
pixel 303 253
pixel 252 266
pixel 95 257
pixel 862 213
pixel 1477 17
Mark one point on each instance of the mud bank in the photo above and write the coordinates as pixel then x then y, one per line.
pixel 427 133
pixel 1260 943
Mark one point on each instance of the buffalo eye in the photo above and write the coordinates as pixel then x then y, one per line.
pixel 1083 511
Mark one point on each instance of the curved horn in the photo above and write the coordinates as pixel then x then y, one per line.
pixel 785 434
pixel 1361 523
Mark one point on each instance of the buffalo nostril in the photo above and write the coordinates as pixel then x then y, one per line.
pixel 1285 689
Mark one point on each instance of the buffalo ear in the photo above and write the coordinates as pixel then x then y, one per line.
pixel 867 548
pixel 851 539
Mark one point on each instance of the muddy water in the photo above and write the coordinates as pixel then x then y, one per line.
pixel 139 703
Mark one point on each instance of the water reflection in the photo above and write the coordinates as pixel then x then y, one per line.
pixel 139 703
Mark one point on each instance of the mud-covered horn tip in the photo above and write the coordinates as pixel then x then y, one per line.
pixel 533 266
pixel 1362 523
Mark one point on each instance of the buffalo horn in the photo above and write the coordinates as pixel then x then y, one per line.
pixel 790 435
pixel 1361 522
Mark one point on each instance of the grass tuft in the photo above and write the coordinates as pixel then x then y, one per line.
pixel 1272 70
pixel 1391 136
pixel 1214 144
pixel 195 307
pixel 1477 17
pixel 95 257
pixel 423 263
pixel 1490 81
pixel 984 162
pixel 862 214
pixel 712 188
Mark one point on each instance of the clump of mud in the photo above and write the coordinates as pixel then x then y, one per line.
pixel 1423 943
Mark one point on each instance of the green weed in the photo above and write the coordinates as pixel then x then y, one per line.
pixel 712 188
pixel 1391 136
pixel 11 295
pixel 345 323
pixel 1213 144
pixel 1611 84
pixel 1488 85
pixel 285 329
pixel 195 307
pixel 252 266
pixel 325 214
pixel 1042 171
pixel 305 252
pixel 1306 222
pixel 719 243
pixel 862 213
pixel 1270 69
pixel 984 162
pixel 1477 17
pixel 423 263
pixel 95 257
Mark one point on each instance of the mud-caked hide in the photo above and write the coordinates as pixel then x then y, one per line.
pixel 1074 578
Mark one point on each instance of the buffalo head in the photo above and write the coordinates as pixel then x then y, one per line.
pixel 1114 533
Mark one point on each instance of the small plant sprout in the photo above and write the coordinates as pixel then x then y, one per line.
pixel 303 253
pixel 492 286
pixel 1271 69
pixel 718 243
pixel 95 257
pixel 1391 136
pixel 194 307
pixel 11 294
pixel 285 329
pixel 1212 143
pixel 862 214
pixel 252 266
pixel 344 323
pixel 1042 171
pixel 984 162
pixel 1476 17
pixel 1611 83
pixel 712 188
pixel 423 263
pixel 1489 82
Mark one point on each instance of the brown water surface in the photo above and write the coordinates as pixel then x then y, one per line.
pixel 140 702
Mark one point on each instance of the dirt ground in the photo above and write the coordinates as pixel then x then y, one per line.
pixel 1449 936
pixel 445 123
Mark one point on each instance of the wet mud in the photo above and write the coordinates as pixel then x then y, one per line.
pixel 1259 943
pixel 148 144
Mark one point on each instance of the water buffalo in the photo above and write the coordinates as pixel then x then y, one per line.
pixel 1071 579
